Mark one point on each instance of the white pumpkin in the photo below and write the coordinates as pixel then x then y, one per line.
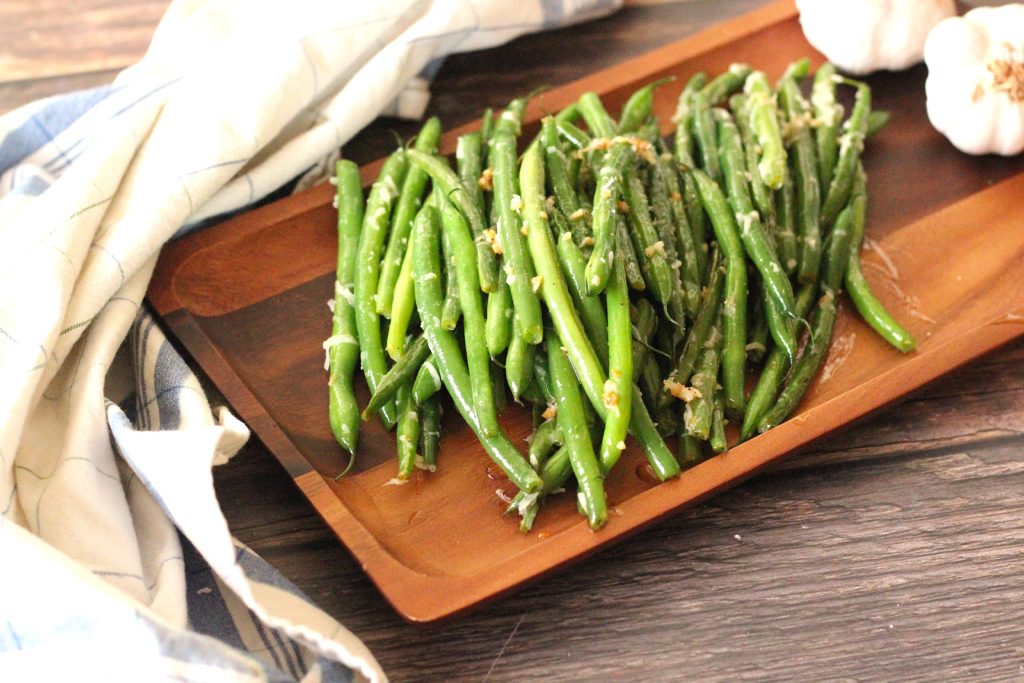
pixel 975 83
pixel 861 36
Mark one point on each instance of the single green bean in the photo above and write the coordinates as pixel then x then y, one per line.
pixel 877 120
pixel 576 137
pixel 558 178
pixel 600 123
pixel 683 118
pixel 606 199
pixel 734 306
pixel 618 388
pixel 469 156
pixel 371 243
pixel 487 125
pixel 342 355
pixel 785 233
pixel 757 325
pixel 686 248
pixel 478 360
pixel 808 192
pixel 570 418
pixel 449 360
pixel 624 249
pixel 697 416
pixel 644 322
pixel 403 304
pixel 427 382
pixel 555 474
pixel 689 451
pixel 401 373
pixel 431 433
pixel 829 114
pixel 590 310
pixel 704 135
pixel 519 364
pixel 519 271
pixel 499 319
pixel 569 114
pixel 452 310
pixel 544 439
pixel 869 307
pixel 717 436
pixel 725 84
pixel 408 432
pixel 638 107
pixel 405 211
pixel 764 122
pixel 763 197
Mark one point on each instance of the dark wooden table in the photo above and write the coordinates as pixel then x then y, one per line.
pixel 893 551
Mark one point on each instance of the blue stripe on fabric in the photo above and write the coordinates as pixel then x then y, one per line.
pixel 257 569
pixel 31 185
pixel 552 11
pixel 51 119
pixel 169 371
pixel 207 611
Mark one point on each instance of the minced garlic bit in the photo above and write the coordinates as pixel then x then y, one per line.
pixel 396 482
pixel 543 214
pixel 524 230
pixel 656 248
pixel 621 446
pixel 421 464
pixel 516 204
pixel 536 282
pixel 755 346
pixel 333 180
pixel 505 498
pixel 680 390
pixel 550 412
pixel 610 397
pixel 330 305
pixel 578 214
pixel 486 181
pixel 623 207
pixel 606 193
pixel 491 235
pixel 675 196
pixel 587 241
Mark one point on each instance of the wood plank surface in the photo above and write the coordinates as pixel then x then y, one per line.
pixel 893 552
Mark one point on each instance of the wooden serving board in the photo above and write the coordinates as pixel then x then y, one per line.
pixel 248 299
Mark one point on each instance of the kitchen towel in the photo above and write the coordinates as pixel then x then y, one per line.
pixel 115 560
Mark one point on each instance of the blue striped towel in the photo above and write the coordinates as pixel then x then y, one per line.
pixel 117 563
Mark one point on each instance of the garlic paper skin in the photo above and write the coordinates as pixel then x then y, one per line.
pixel 861 36
pixel 975 83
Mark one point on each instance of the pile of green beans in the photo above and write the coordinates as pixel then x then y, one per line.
pixel 626 287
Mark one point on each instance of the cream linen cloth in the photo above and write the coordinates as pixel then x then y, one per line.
pixel 116 563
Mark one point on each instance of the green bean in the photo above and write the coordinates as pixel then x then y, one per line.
pixel 643 329
pixel 651 387
pixel 638 107
pixel 499 319
pixel 734 306
pixel 468 295
pixel 511 120
pixel 851 144
pixel 403 304
pixel 543 441
pixel 755 241
pixel 808 191
pixel 797 70
pixel 408 432
pixel 717 436
pixel 584 463
pixel 600 123
pixel 567 322
pixel 519 363
pixel 704 135
pixel 573 135
pixel 757 327
pixel 487 125
pixel 342 356
pixel 569 114
pixel 519 271
pixel 590 310
pixel 405 211
pixel 452 309
pixel 618 388
pixel 653 264
pixel 704 321
pixel 554 473
pixel 764 121
pixel 624 249
pixel 686 249
pixel 785 234
pixel 829 115
pixel 448 356
pixel 448 183
pixel 725 84
pixel 470 165
pixel 822 323
pixel 683 119
pixel 606 199
pixel 371 243
pixel 689 451
pixel 877 120
pixel 427 382
pixel 401 373
pixel 773 371
pixel 763 197
pixel 431 433
pixel 697 416
pixel 869 307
